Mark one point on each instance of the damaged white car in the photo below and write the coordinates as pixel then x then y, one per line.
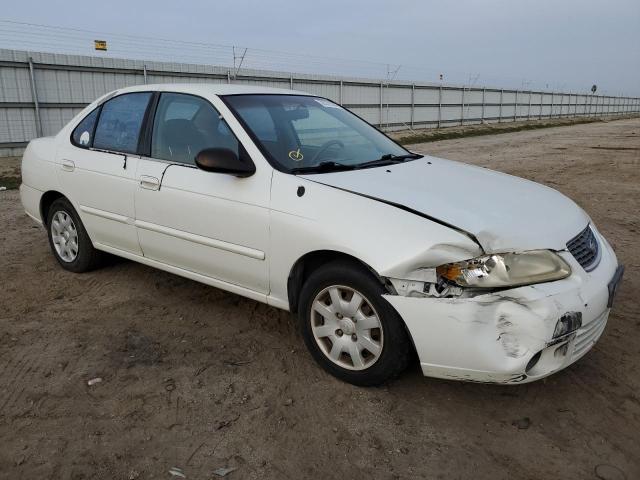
pixel 292 200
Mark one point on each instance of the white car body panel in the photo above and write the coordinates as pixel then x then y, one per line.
pixel 318 221
pixel 214 225
pixel 103 190
pixel 530 216
pixel 245 235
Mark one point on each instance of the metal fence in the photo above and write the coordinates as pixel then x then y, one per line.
pixel 40 92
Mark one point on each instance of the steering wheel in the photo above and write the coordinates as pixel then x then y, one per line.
pixel 324 147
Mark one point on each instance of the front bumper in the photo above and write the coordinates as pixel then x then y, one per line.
pixel 507 336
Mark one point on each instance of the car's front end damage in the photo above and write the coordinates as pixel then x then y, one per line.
pixel 509 335
pixel 510 284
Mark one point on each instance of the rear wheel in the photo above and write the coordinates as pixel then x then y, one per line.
pixel 69 241
pixel 350 330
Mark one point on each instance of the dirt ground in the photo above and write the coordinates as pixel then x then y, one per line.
pixel 198 379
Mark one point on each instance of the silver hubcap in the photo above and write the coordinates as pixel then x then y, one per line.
pixel 65 236
pixel 346 327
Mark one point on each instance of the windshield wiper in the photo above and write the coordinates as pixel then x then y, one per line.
pixel 323 167
pixel 389 159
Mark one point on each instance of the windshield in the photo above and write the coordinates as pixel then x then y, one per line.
pixel 310 134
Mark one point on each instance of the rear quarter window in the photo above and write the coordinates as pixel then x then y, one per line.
pixel 82 135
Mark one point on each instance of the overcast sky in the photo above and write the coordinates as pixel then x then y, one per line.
pixel 567 44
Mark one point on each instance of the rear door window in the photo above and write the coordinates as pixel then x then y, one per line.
pixel 120 122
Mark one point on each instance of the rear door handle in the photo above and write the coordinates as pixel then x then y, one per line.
pixel 68 165
pixel 150 183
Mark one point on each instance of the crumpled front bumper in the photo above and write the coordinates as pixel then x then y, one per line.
pixel 507 336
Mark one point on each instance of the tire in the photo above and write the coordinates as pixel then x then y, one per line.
pixel 357 352
pixel 68 239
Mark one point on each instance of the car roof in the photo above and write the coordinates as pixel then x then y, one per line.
pixel 210 89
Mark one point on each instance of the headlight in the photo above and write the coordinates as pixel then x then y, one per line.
pixel 506 269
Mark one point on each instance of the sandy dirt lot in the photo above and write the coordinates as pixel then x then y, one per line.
pixel 196 378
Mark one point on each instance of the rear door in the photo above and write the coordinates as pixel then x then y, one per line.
pixel 97 170
pixel 212 224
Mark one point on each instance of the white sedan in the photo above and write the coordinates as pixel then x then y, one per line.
pixel 291 200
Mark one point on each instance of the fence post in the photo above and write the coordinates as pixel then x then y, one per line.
pixel 381 108
pixel 291 81
pixel 439 106
pixel 413 103
pixel 484 90
pixel 500 111
pixel 541 103
pixel 144 73
pixel 228 76
pixel 34 94
pixel 601 105
pixel 515 109
pixel 462 109
pixel 569 105
pixel 341 101
pixel 584 114
pixel 551 109
pixel 529 110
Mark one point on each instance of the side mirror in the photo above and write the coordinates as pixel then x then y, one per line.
pixel 223 160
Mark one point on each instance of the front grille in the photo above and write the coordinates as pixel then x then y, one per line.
pixel 585 249
pixel 589 334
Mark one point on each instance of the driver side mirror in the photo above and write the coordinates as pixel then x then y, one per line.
pixel 223 160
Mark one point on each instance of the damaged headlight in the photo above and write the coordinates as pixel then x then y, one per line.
pixel 506 269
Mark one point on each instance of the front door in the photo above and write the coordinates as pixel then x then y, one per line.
pixel 212 224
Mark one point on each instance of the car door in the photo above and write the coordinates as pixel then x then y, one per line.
pixel 97 170
pixel 211 224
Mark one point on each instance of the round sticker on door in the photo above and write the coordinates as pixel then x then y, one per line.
pixel 296 155
pixel 84 138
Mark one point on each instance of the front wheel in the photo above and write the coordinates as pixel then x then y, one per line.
pixel 350 330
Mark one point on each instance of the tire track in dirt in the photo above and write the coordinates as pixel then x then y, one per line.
pixel 15 378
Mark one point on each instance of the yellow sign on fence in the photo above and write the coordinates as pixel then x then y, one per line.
pixel 100 45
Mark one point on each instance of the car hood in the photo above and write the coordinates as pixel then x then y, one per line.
pixel 503 212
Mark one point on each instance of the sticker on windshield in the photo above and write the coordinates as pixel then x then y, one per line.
pixel 326 103
pixel 296 155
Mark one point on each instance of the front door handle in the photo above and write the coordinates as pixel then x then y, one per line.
pixel 150 183
pixel 68 165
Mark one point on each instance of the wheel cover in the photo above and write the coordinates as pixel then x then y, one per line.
pixel 346 327
pixel 64 236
